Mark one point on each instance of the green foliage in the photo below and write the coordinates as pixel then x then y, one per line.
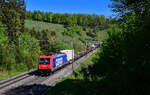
pixel 70 19
pixel 56 32
pixel 3 46
pixel 123 7
pixel 49 17
pixel 24 50
pixel 36 15
pixel 70 31
pixel 14 56
pixel 14 21
pixel 123 59
pixel 6 50
pixel 57 46
pixel 78 46
pixel 2 29
pixel 91 33
pixel 12 16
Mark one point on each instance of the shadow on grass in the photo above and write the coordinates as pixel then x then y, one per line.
pixel 35 89
pixel 82 87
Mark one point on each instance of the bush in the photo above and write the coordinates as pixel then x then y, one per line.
pixel 17 56
pixel 24 50
pixel 4 51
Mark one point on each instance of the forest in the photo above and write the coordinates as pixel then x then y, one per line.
pixel 85 20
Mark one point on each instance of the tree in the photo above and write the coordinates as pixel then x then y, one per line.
pixel 130 6
pixel 57 18
pixel 72 30
pixel 49 17
pixel 37 15
pixel 13 24
pixel 13 16
pixel 85 20
pixel 29 15
pixel 22 11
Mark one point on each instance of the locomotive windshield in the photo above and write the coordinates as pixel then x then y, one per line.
pixel 44 60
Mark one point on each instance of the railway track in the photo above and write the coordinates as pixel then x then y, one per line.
pixel 32 79
pixel 10 81
pixel 7 83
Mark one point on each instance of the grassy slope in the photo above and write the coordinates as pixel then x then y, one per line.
pixel 43 25
pixel 75 83
pixel 39 26
pixel 59 28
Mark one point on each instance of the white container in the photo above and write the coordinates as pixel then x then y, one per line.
pixel 93 45
pixel 69 53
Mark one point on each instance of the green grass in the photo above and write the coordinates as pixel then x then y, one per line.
pixel 75 83
pixel 6 74
pixel 15 70
pixel 37 25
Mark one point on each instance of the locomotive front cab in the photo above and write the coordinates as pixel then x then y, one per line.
pixel 45 63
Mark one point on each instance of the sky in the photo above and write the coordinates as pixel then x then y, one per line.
pixel 99 7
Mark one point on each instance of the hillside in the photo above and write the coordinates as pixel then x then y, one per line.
pixel 39 26
pixel 30 24
pixel 79 37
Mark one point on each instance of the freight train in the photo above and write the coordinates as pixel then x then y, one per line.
pixel 51 62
